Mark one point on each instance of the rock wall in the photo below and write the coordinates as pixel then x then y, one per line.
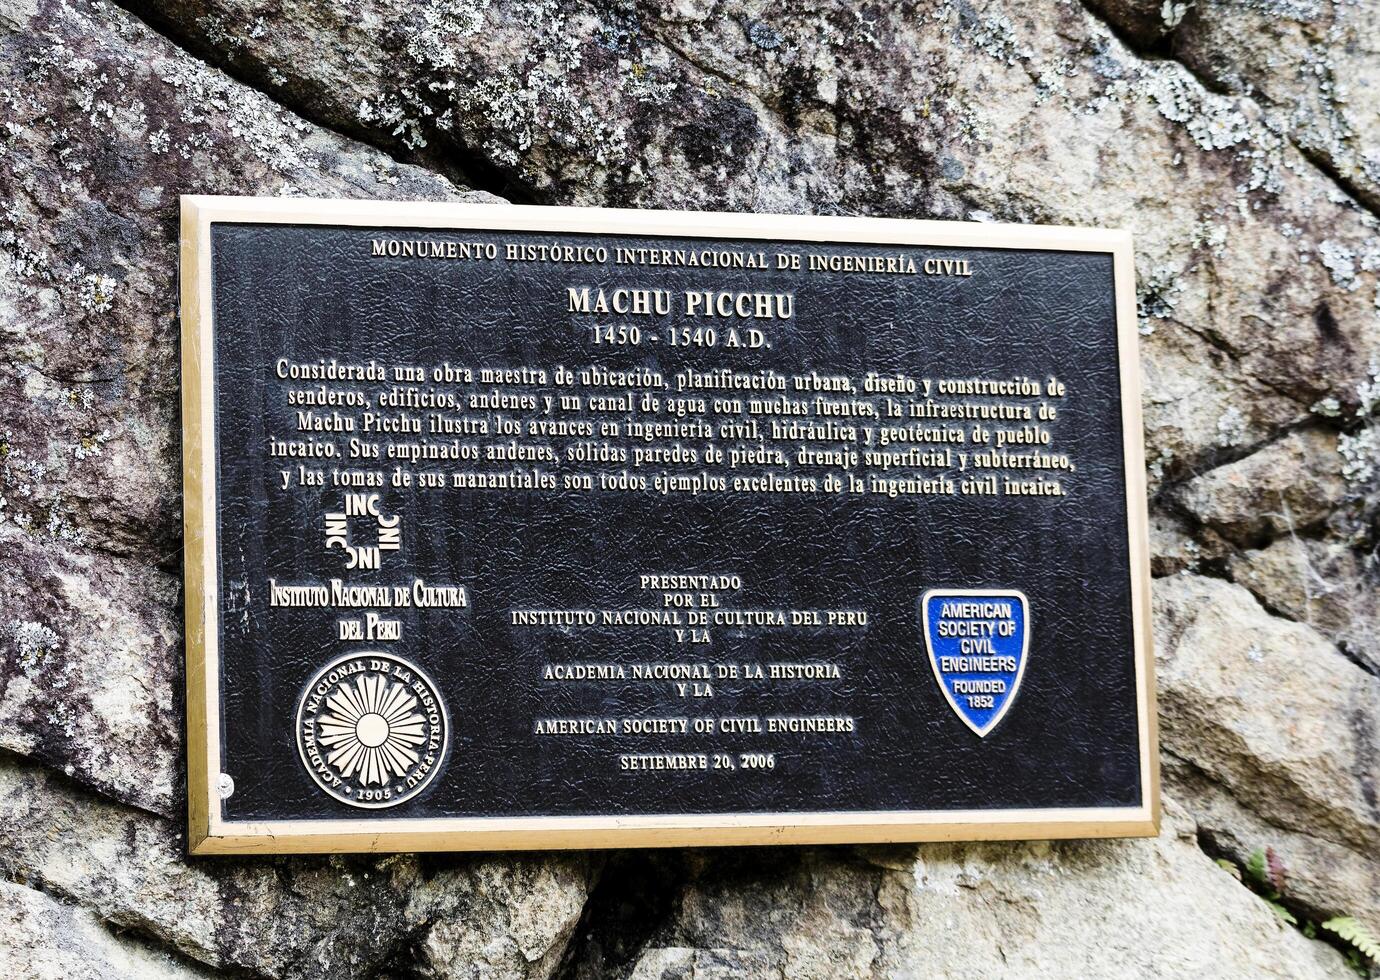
pixel 1239 139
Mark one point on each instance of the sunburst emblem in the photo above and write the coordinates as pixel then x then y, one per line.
pixel 371 730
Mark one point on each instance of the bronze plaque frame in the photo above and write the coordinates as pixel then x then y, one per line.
pixel 210 833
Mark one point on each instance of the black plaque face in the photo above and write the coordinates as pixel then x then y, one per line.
pixel 516 527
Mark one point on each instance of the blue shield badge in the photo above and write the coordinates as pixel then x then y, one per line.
pixel 977 641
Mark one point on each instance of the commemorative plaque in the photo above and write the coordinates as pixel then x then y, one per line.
pixel 514 527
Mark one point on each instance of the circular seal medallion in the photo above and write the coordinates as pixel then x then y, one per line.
pixel 371 729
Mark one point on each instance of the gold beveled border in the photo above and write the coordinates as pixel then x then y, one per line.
pixel 208 833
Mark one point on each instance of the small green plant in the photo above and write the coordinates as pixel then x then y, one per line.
pixel 1267 876
pixel 1353 932
pixel 1264 874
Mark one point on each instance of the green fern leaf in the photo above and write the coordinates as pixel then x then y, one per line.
pixel 1256 868
pixel 1355 933
pixel 1281 913
pixel 1230 867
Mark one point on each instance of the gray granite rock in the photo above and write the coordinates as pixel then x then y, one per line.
pixel 1324 583
pixel 1314 63
pixel 1276 725
pixel 1322 876
pixel 1133 909
pixel 90 645
pixel 43 939
pixel 1287 487
pixel 285 917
